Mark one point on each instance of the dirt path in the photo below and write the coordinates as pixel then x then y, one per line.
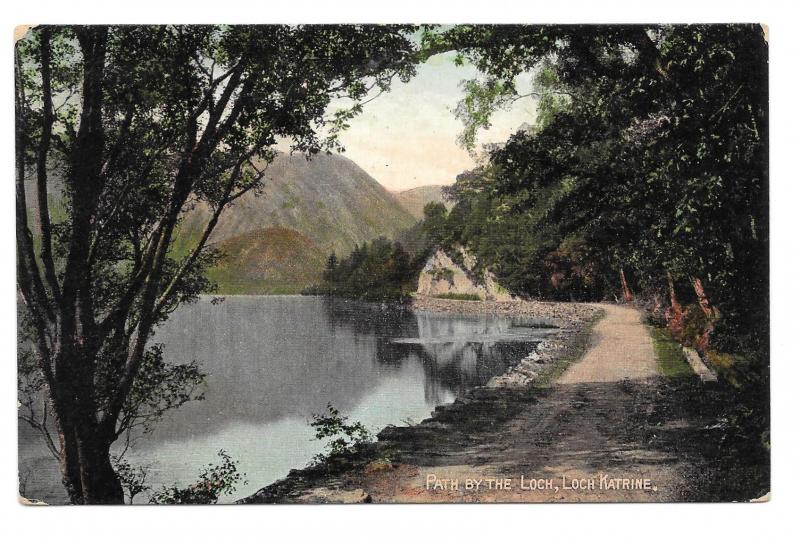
pixel 621 350
pixel 610 429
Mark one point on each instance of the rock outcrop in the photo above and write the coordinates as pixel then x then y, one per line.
pixel 442 275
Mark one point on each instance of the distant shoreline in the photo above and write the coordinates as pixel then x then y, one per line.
pixel 211 295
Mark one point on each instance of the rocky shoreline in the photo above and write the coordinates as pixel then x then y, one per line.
pixel 562 314
pixel 542 363
pixel 335 480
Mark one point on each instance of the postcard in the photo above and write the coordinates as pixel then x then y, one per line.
pixel 385 263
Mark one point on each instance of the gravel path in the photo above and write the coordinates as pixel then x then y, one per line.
pixel 621 350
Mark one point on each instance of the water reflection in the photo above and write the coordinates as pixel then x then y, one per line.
pixel 273 361
pixel 455 352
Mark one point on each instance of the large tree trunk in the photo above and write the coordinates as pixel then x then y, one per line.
pixel 673 299
pixel 85 461
pixel 86 469
pixel 70 469
pixel 704 339
pixel 98 478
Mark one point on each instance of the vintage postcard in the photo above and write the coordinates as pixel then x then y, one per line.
pixel 392 263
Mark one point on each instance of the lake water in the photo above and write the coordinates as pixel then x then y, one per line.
pixel 272 362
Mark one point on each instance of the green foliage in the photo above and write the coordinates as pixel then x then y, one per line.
pixel 671 361
pixel 481 99
pixel 212 483
pixel 160 387
pixel 458 296
pixel 739 370
pixel 330 266
pixel 443 274
pixel 133 479
pixel 695 324
pixel 380 270
pixel 342 437
pixel 435 226
pixel 648 156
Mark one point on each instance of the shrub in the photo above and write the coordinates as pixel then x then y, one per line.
pixel 458 296
pixel 344 437
pixel 213 482
pixel 443 274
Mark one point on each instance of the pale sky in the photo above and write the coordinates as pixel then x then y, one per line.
pixel 407 137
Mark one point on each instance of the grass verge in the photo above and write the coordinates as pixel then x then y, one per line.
pixel 254 287
pixel 457 296
pixel 671 361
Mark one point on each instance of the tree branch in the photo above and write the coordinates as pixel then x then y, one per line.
pixel 28 273
pixel 227 198
pixel 41 166
pixel 39 425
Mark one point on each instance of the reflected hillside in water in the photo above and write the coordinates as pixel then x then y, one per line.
pixel 456 352
pixel 273 357
pixel 272 362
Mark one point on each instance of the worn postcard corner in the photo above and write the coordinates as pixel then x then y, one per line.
pixel 30 502
pixel 20 31
pixel 767 497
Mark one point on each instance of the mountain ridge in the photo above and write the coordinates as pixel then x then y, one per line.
pixel 414 200
pixel 326 200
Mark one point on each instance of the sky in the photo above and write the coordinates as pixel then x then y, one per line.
pixel 407 137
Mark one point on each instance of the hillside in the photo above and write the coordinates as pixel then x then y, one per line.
pixel 329 199
pixel 324 204
pixel 414 200
pixel 272 260
pixel 277 239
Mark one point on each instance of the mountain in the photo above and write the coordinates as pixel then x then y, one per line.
pixel 323 204
pixel 272 260
pixel 328 198
pixel 277 239
pixel 414 200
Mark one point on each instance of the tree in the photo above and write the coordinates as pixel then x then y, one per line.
pixel 330 267
pixel 651 147
pixel 119 131
pixel 434 225
pixel 380 270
